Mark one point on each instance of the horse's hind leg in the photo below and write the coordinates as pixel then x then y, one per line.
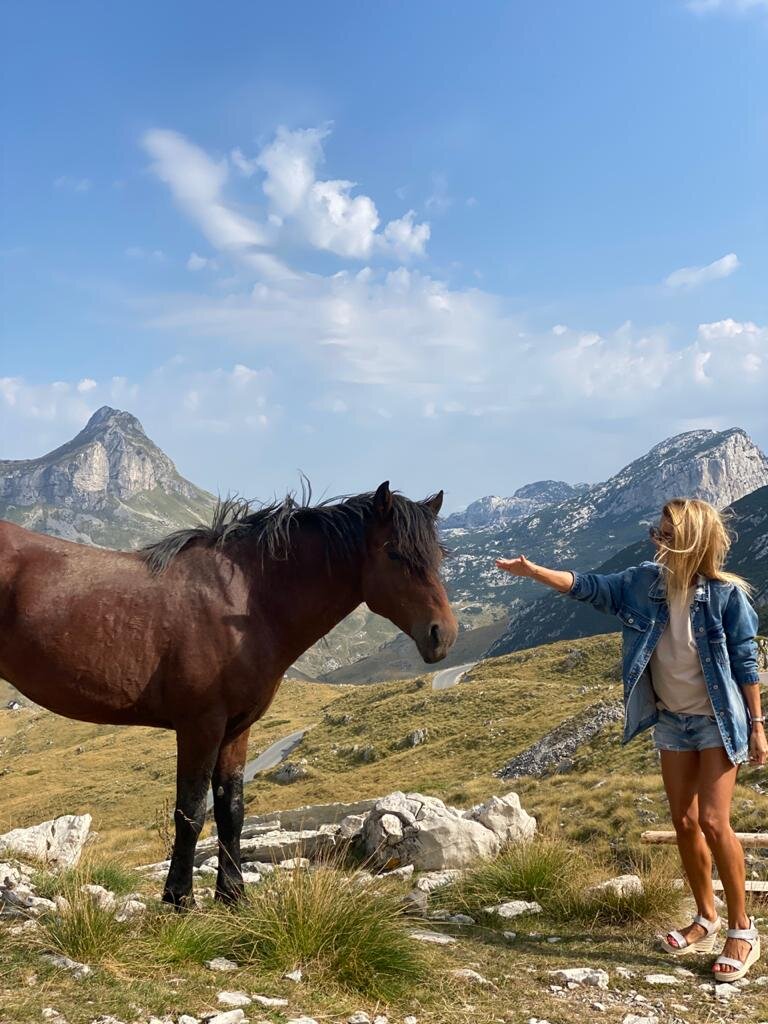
pixel 197 750
pixel 228 811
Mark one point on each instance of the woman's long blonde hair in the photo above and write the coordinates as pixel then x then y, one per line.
pixel 700 544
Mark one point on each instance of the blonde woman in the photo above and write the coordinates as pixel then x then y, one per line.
pixel 690 671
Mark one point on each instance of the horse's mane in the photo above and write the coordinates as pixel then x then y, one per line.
pixel 341 521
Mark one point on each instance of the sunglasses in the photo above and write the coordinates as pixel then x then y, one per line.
pixel 658 535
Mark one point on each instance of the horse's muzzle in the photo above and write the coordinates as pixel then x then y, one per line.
pixel 435 641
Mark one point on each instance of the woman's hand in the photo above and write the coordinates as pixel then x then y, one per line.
pixel 758 745
pixel 519 566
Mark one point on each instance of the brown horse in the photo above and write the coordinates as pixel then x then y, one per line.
pixel 195 632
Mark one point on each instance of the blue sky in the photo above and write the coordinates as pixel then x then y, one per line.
pixel 552 255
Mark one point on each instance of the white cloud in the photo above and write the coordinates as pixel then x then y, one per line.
pixel 196 262
pixel 196 183
pixel 300 207
pixel 86 384
pixel 325 212
pixel 68 184
pixel 692 277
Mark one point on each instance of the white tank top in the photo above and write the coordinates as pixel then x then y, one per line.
pixel 676 667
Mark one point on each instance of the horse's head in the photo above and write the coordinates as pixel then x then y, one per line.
pixel 401 573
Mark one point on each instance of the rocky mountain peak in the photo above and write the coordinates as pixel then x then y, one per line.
pixel 493 510
pixel 82 487
pixel 106 417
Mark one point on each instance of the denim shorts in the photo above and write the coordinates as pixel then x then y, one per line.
pixel 686 732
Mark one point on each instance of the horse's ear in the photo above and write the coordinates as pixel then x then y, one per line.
pixel 435 503
pixel 382 501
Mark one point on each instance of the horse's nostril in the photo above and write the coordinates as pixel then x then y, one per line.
pixel 434 634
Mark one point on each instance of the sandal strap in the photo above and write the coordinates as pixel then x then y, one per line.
pixel 680 939
pixel 749 934
pixel 729 961
pixel 711 926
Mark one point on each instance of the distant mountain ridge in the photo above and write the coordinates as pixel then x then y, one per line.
pixel 717 466
pixel 495 511
pixel 110 486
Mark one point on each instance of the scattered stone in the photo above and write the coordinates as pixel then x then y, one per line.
pixel 234 999
pixel 220 963
pixel 404 872
pixel 423 935
pixel 415 903
pixel 514 908
pixel 294 862
pixel 270 1001
pixel 359 1017
pixel 471 977
pixel 129 909
pixel 463 919
pixel 251 877
pixel 505 817
pixel 724 990
pixel 58 843
pixel 294 975
pixel 509 936
pixel 662 979
pixel 633 1018
pixel 410 1019
pixel 48 1013
pixel 414 738
pixel 622 886
pixel 554 938
pixel 291 771
pixel 432 880
pixel 101 897
pixel 185 1018
pixel 227 1017
pixel 302 1020
pixel 78 970
pixel 582 976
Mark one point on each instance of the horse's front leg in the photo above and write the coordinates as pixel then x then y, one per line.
pixel 228 811
pixel 197 750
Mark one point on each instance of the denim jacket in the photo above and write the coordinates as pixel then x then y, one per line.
pixel 724 626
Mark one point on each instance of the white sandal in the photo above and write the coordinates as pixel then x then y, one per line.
pixel 752 936
pixel 703 945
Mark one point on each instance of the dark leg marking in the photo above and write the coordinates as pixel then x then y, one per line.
pixel 196 757
pixel 228 812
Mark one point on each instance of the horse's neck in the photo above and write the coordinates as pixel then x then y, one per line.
pixel 305 596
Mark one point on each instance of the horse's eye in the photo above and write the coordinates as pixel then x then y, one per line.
pixel 393 555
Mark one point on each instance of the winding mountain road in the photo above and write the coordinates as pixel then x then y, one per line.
pixel 269 758
pixel 448 677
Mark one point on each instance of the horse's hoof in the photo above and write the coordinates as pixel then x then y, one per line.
pixel 180 901
pixel 229 897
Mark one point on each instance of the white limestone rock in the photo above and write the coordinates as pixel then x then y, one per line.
pixel 234 999
pixel 582 976
pixel 421 830
pixel 622 886
pixel 505 816
pixel 222 964
pixel 437 938
pixel 514 908
pixel 58 843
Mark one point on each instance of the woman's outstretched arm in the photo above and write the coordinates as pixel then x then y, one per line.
pixel 603 591
pixel 558 579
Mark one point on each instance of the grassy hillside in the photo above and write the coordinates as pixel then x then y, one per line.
pixel 609 796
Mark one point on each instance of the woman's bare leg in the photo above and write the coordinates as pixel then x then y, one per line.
pixel 717 779
pixel 680 772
